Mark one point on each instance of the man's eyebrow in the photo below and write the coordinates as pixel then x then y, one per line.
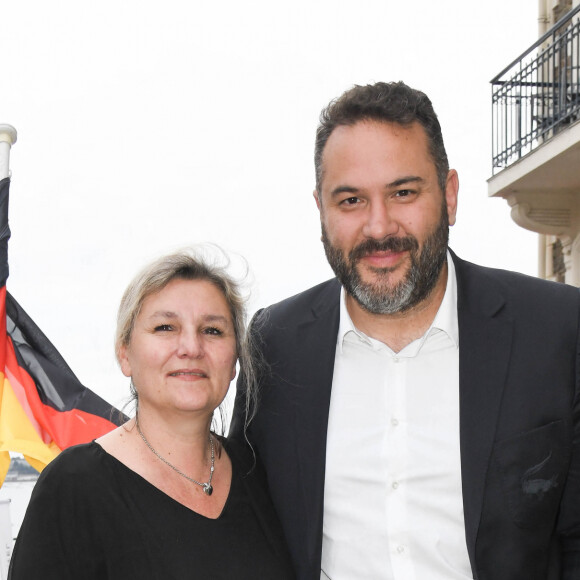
pixel 343 189
pixel 397 183
pixel 405 180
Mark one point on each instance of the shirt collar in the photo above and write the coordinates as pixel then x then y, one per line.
pixel 445 319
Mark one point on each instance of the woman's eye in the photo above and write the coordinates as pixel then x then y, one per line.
pixel 163 328
pixel 213 331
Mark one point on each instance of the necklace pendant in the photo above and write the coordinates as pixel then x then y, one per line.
pixel 207 489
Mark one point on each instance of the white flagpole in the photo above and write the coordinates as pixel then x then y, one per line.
pixel 7 139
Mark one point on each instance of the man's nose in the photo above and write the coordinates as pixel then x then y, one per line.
pixel 379 222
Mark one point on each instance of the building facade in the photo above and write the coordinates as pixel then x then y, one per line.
pixel 536 139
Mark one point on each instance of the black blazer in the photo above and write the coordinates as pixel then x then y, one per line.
pixel 519 420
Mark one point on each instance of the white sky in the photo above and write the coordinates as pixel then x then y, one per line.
pixel 147 126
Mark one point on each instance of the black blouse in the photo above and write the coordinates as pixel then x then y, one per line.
pixel 92 517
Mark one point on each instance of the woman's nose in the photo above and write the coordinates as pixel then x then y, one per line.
pixel 190 345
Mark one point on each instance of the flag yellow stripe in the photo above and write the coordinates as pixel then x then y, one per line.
pixel 17 433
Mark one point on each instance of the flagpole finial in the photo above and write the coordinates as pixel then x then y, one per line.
pixel 7 139
pixel 7 134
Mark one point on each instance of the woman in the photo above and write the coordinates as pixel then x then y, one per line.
pixel 161 497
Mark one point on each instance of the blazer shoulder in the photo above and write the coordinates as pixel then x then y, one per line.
pixel 513 285
pixel 311 302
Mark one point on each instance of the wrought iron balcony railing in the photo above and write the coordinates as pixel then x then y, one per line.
pixel 538 94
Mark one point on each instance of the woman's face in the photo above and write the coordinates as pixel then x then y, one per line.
pixel 182 353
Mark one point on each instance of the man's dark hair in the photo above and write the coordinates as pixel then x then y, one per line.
pixel 387 102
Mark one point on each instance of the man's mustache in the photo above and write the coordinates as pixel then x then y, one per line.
pixel 407 243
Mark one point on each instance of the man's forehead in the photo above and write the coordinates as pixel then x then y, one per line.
pixel 377 127
pixel 347 143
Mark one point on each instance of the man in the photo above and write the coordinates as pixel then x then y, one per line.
pixel 418 416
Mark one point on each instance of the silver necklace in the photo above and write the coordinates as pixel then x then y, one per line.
pixel 207 487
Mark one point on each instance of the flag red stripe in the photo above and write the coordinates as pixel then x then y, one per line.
pixel 20 384
pixel 65 428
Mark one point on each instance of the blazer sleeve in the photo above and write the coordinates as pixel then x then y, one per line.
pixel 569 517
pixel 238 421
pixel 244 405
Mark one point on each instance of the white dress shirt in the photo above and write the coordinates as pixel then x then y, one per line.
pixel 393 505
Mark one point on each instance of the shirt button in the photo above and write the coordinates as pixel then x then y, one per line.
pixel 396 359
pixel 395 484
pixel 401 549
pixel 394 422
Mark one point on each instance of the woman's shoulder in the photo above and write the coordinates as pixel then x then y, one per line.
pixel 78 457
pixel 79 461
pixel 70 479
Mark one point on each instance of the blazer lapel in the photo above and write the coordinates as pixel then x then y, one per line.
pixel 485 338
pixel 313 370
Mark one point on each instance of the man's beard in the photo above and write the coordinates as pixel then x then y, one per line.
pixel 379 296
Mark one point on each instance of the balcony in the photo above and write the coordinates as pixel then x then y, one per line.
pixel 538 94
pixel 536 132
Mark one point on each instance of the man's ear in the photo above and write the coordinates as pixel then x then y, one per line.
pixel 317 199
pixel 451 194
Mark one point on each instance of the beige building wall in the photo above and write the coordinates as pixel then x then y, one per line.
pixel 543 187
pixel 556 255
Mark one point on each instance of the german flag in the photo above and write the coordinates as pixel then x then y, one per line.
pixel 43 406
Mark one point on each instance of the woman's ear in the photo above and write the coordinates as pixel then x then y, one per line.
pixel 124 361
